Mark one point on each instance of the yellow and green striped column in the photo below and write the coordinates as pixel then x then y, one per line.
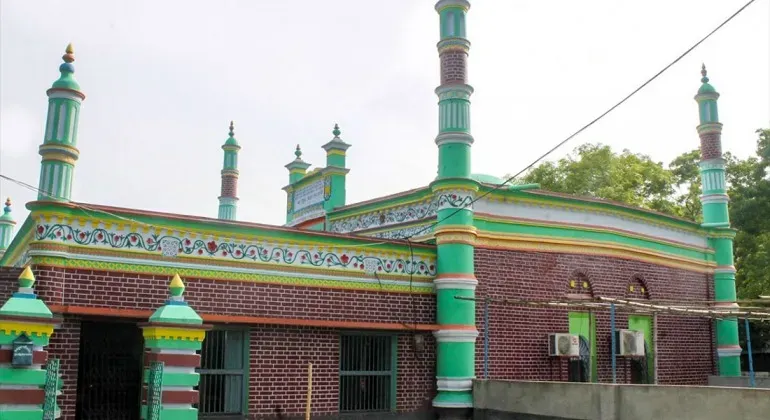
pixel 455 234
pixel 25 319
pixel 716 217
pixel 59 152
pixel 174 336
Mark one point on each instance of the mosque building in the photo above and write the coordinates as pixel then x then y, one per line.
pixel 379 296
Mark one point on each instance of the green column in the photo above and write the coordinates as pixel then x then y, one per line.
pixel 59 152
pixel 297 170
pixel 228 198
pixel 336 152
pixel 6 227
pixel 716 218
pixel 455 235
pixel 26 326
pixel 174 336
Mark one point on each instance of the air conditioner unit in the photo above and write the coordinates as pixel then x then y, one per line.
pixel 563 345
pixel 629 343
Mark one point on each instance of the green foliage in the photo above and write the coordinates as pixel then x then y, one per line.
pixel 594 170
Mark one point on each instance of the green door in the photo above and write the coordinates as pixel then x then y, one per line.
pixel 643 323
pixel 583 324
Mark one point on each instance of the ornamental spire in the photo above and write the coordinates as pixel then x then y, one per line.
pixel 176 288
pixel 6 227
pixel 228 197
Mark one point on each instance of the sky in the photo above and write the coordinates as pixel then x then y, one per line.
pixel 163 79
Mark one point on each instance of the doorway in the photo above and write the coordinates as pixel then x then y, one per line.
pixel 109 371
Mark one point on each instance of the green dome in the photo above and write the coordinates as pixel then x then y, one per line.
pixel 66 80
pixel 231 141
pixel 488 179
pixel 706 88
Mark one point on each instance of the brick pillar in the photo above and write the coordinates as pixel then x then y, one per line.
pixel 26 326
pixel 174 336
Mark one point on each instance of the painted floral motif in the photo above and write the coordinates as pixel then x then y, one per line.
pixel 231 251
pixel 327 188
pixel 385 217
pixel 403 214
pixel 405 232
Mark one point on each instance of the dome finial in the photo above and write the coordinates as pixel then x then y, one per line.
pixel 298 152
pixel 69 55
pixel 8 204
pixel 232 128
pixel 336 130
pixel 703 72
pixel 176 287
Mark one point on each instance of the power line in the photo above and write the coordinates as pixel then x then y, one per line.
pixel 595 120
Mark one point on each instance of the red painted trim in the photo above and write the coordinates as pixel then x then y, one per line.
pixel 251 320
pixel 171 359
pixel 22 396
pixel 38 357
pixel 175 397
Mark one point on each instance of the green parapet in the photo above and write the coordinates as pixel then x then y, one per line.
pixel 174 413
pixel 21 414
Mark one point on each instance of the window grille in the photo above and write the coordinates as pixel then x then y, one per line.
pixel 224 373
pixel 367 373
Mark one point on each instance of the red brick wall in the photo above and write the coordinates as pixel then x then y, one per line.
pixel 518 335
pixel 229 186
pixel 279 355
pixel 65 345
pixel 711 146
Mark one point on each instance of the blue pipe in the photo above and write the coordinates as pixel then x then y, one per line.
pixel 486 338
pixel 612 339
pixel 752 381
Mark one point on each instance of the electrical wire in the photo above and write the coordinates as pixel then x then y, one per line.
pixel 592 122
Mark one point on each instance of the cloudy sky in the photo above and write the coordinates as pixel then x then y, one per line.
pixel 164 78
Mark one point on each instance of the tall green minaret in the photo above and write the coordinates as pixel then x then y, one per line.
pixel 716 217
pixel 59 149
pixel 455 233
pixel 228 199
pixel 6 227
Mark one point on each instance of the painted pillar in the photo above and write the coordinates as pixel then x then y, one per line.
pixel 297 169
pixel 59 152
pixel 6 227
pixel 336 151
pixel 174 336
pixel 26 326
pixel 228 198
pixel 455 234
pixel 716 217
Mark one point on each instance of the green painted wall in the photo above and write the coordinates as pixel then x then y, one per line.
pixel 584 324
pixel 643 323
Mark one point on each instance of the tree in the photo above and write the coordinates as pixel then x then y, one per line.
pixel 596 171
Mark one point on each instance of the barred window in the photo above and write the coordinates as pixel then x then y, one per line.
pixel 367 373
pixel 224 373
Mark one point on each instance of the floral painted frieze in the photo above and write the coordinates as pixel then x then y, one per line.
pixel 174 244
pixel 402 214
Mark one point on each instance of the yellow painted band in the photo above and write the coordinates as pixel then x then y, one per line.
pixel 170 333
pixel 13 327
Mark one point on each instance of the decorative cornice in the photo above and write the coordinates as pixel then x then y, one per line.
pixel 456 336
pixel 454 384
pixel 449 44
pixel 585 247
pixel 456 281
pixel 711 127
pixel 714 198
pixel 710 164
pixel 443 4
pixel 57 93
pixel 729 351
pixel 454 137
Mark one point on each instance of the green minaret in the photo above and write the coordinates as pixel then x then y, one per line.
pixel 6 227
pixel 336 152
pixel 228 199
pixel 455 234
pixel 59 149
pixel 716 217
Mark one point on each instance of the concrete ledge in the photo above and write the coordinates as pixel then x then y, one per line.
pixel 565 400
